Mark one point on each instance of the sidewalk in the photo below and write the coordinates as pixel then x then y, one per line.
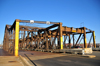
pixel 7 59
pixel 10 61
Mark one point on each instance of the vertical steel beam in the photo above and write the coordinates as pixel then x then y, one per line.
pixel 60 36
pixel 7 41
pixel 58 42
pixel 52 42
pixel 65 37
pixel 64 40
pixel 94 39
pixel 38 33
pixel 69 42
pixel 10 39
pixel 21 38
pixel 3 45
pixel 13 41
pixel 4 42
pixel 31 37
pixel 46 40
pixel 49 42
pixel 73 40
pixel 27 41
pixel 16 37
pixel 85 42
pixel 35 39
pixel 38 43
pixel 24 39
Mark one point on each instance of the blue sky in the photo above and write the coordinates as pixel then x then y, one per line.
pixel 70 12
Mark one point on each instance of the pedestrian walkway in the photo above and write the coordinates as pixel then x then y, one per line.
pixel 7 59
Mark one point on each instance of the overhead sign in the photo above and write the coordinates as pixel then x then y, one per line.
pixel 31 21
pixel 48 22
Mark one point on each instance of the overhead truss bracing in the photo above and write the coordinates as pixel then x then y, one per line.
pixel 20 37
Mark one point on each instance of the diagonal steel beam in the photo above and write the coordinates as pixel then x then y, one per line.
pixel 78 39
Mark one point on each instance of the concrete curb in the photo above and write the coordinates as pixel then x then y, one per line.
pixel 25 61
pixel 89 56
pixel 96 49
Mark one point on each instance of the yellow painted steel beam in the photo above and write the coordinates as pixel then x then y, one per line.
pixel 94 43
pixel 61 42
pixel 16 37
pixel 60 34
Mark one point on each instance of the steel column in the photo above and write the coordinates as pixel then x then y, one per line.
pixel 73 40
pixel 94 39
pixel 13 41
pixel 85 42
pixel 46 40
pixel 69 42
pixel 60 36
pixel 16 37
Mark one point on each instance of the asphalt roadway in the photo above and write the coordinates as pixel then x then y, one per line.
pixel 60 59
